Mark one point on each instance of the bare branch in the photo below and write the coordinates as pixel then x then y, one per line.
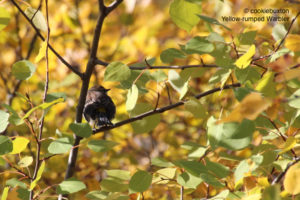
pixel 103 63
pixel 163 109
pixel 72 68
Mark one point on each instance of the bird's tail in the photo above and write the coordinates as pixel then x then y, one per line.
pixel 102 120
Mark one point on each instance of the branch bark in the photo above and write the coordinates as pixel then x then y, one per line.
pixel 163 109
pixel 104 11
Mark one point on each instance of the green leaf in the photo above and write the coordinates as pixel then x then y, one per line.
pixel 271 193
pixel 211 180
pixel 146 124
pixel 267 85
pixel 113 185
pixel 194 72
pixel 278 32
pixel 212 21
pixel 217 169
pixel 165 173
pixel 178 83
pixel 232 135
pixel 55 95
pixel 4 18
pixel 6 145
pixel 188 180
pixel 23 69
pixel 168 55
pixel 246 38
pixel 38 176
pixel 42 106
pixel 194 106
pixel 69 186
pixel 220 76
pixel 4 116
pixel 19 145
pixel 199 45
pixel 248 74
pixel 140 182
pixel 38 20
pixel 23 193
pixel 5 193
pixel 240 171
pixel 132 97
pixel 193 167
pixel 25 162
pixel 278 54
pixel 161 162
pixel 13 118
pixel 13 182
pixel 59 146
pixel 81 129
pixel 183 14
pixel 116 71
pixel 241 92
pixel 118 174
pixel 159 75
pixel 101 145
pixel 222 195
pixel 294 99
pixel 197 153
pixel 97 195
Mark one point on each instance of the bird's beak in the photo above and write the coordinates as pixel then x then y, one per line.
pixel 106 90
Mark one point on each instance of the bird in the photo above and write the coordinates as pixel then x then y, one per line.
pixel 99 109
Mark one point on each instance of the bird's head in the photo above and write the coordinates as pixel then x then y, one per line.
pixel 99 88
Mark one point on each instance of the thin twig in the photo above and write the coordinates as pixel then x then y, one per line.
pixel 166 108
pixel 72 68
pixel 18 170
pixel 168 92
pixel 41 124
pixel 281 175
pixel 281 135
pixel 103 63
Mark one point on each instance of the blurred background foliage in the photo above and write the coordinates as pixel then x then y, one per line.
pixel 136 30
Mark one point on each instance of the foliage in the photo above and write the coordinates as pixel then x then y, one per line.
pixel 207 108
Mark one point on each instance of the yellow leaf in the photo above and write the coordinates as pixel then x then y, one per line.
pixel 245 60
pixel 292 180
pixel 38 176
pixel 263 181
pixel 289 144
pixel 288 75
pixel 266 85
pixel 42 52
pixel 5 193
pixel 292 42
pixel 19 145
pixel 249 108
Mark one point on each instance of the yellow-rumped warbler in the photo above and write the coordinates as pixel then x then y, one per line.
pixel 99 109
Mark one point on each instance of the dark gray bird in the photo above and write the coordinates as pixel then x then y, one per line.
pixel 99 109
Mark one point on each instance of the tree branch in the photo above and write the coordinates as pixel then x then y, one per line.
pixel 103 63
pixel 163 109
pixel 104 11
pixel 72 68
